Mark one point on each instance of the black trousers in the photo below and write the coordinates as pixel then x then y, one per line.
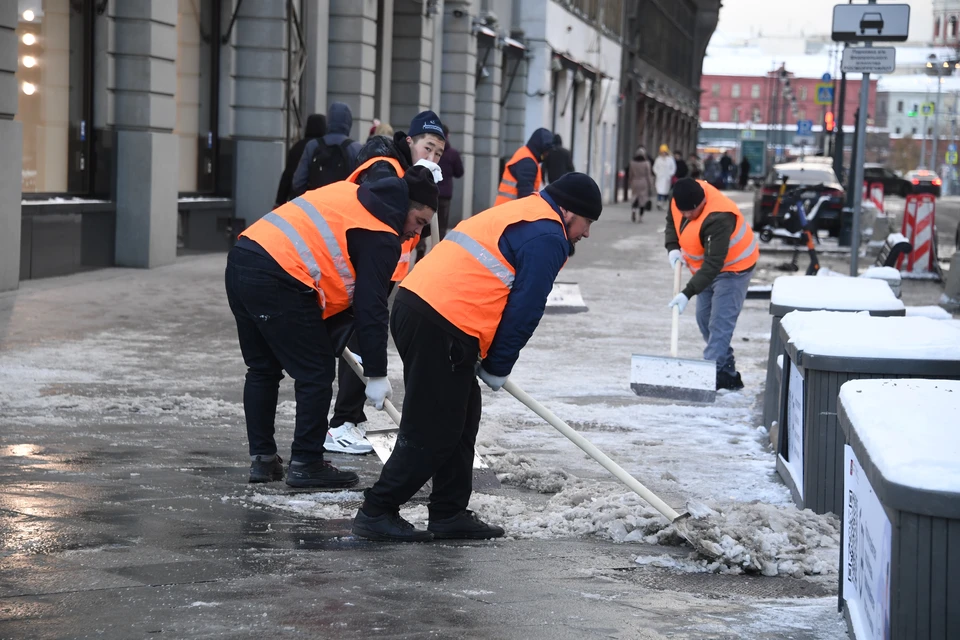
pixel 441 416
pixel 351 392
pixel 280 326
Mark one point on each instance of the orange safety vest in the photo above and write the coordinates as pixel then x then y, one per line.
pixel 308 238
pixel 465 278
pixel 508 184
pixel 744 249
pixel 408 247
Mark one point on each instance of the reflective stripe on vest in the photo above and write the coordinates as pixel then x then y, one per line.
pixel 466 278
pixel 307 237
pixel 403 265
pixel 353 177
pixel 507 191
pixel 743 249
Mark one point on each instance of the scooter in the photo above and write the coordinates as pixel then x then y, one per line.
pixel 795 226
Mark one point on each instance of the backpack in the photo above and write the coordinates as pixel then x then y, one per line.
pixel 329 164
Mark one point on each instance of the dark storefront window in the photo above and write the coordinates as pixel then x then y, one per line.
pixel 53 95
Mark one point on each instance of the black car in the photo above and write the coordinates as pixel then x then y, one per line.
pixel 923 181
pixel 893 185
pixel 822 181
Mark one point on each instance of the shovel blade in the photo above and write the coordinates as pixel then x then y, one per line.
pixel 674 378
pixel 384 441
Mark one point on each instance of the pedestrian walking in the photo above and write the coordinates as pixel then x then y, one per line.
pixel 328 159
pixel 380 158
pixel 290 274
pixel 694 166
pixel 744 173
pixel 479 294
pixel 522 175
pixel 707 232
pixel 664 169
pixel 682 170
pixel 726 168
pixel 641 184
pixel 452 167
pixel 559 162
pixel 316 128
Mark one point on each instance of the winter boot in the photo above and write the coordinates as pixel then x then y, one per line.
pixel 463 526
pixel 729 381
pixel 266 468
pixel 320 474
pixel 388 527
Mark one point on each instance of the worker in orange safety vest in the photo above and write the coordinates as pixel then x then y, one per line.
pixel 465 311
pixel 708 233
pixel 522 174
pixel 290 275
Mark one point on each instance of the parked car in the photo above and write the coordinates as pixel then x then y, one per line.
pixel 893 185
pixel 924 181
pixel 822 181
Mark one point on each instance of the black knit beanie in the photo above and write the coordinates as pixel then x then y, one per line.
pixel 688 194
pixel 578 193
pixel 422 187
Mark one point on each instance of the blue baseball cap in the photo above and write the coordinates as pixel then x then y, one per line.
pixel 426 122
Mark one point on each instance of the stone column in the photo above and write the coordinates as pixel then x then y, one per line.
pixel 144 83
pixel 316 21
pixel 457 102
pixel 11 160
pixel 487 134
pixel 413 44
pixel 352 60
pixel 514 112
pixel 259 91
pixel 384 70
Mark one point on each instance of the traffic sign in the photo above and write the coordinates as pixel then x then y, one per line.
pixel 804 127
pixel 871 22
pixel 826 77
pixel 951 157
pixel 747 134
pixel 869 60
pixel 951 147
pixel 927 108
pixel 824 93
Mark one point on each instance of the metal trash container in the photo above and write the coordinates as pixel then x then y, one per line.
pixel 800 293
pixel 900 546
pixel 825 349
pixel 845 238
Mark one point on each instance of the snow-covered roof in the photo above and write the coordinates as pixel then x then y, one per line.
pixel 918 83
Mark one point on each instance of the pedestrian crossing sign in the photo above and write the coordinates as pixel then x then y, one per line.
pixel 824 93
pixel 951 157
pixel 927 108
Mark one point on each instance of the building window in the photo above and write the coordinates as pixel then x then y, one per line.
pixel 196 77
pixel 736 114
pixel 757 117
pixel 802 92
pixel 714 114
pixel 735 90
pixel 52 98
pixel 899 106
pixel 914 132
pixel 936 28
pixel 802 114
pixel 898 130
pixel 929 131
pixel 953 26
pixel 715 90
pixel 755 91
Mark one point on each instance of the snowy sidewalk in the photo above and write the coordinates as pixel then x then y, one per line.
pixel 122 459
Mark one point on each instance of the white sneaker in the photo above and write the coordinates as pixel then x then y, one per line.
pixel 347 438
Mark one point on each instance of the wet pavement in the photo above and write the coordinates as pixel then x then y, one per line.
pixel 123 510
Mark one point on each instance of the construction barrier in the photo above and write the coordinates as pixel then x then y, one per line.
pixel 873 193
pixel 918 226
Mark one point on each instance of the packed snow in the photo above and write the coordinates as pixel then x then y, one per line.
pixel 836 294
pixel 860 335
pixel 924 458
pixel 932 311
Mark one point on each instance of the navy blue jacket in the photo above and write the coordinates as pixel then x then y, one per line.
pixel 525 171
pixel 537 251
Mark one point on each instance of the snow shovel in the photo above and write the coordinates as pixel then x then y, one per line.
pixel 678 520
pixel 674 378
pixel 384 440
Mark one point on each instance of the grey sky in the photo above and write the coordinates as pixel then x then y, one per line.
pixel 813 17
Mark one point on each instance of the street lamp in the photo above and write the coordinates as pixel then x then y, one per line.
pixel 933 63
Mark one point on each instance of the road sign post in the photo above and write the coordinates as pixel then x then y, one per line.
pixel 869 60
pixel 824 93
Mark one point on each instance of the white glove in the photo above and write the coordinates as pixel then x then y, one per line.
pixel 674 257
pixel 378 390
pixel 434 169
pixel 492 381
pixel 680 302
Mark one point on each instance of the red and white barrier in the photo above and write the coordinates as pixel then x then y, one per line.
pixel 918 225
pixel 873 193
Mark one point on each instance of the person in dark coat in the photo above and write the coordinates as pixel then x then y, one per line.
pixel 525 173
pixel 452 167
pixel 339 123
pixel 744 173
pixel 316 128
pixel 559 162
pixel 682 170
pixel 726 168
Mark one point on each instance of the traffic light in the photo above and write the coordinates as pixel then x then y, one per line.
pixel 828 122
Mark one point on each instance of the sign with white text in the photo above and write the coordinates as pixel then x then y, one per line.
pixel 869 60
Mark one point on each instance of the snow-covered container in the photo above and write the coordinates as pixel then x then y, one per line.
pixel 823 350
pixel 800 293
pixel 890 275
pixel 900 552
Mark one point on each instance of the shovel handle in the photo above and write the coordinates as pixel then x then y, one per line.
pixel 675 327
pixel 619 472
pixel 434 231
pixel 351 360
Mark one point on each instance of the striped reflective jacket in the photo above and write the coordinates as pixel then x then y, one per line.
pixel 507 192
pixel 744 249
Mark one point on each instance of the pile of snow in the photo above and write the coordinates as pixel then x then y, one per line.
pixel 860 335
pixel 933 312
pixel 924 459
pixel 837 294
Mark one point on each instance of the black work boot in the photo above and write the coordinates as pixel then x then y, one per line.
pixel 463 526
pixel 266 469
pixel 321 475
pixel 388 527
pixel 729 381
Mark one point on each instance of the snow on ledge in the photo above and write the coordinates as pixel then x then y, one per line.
pixel 860 335
pixel 908 428
pixel 836 294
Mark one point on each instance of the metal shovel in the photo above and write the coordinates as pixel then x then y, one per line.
pixel 674 378
pixel 384 440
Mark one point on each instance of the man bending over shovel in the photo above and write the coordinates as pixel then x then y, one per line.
pixel 478 295
pixel 707 232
